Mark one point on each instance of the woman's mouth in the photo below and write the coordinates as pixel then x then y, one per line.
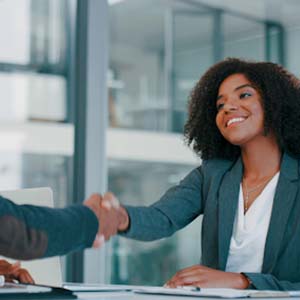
pixel 235 120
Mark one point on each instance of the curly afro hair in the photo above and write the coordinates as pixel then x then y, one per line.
pixel 280 92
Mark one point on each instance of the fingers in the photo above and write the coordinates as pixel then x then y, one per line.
pixel 23 276
pixel 194 275
pixel 205 277
pixel 110 201
pixel 14 272
pixel 99 241
pixel 112 217
pixel 188 280
pixel 123 219
pixel 5 267
pixel 15 266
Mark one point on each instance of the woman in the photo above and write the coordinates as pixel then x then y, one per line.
pixel 244 122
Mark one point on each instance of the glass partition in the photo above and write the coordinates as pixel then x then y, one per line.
pixel 243 38
pixel 33 59
pixel 36 148
pixel 135 78
pixel 150 263
pixel 160 48
pixel 192 56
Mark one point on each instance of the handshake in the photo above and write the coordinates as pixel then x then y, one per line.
pixel 112 217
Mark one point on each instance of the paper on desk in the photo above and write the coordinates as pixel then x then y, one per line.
pixel 77 287
pixel 217 293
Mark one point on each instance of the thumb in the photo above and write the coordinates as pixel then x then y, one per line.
pixel 123 219
pixel 99 241
pixel 17 264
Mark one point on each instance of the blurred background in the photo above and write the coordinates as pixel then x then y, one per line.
pixel 94 97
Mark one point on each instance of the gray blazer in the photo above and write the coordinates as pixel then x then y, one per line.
pixel 212 190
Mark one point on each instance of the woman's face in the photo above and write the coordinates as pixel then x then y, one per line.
pixel 240 116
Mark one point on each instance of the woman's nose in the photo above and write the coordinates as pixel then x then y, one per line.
pixel 230 106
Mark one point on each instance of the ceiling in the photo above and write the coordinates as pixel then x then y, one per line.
pixel 284 11
pixel 141 23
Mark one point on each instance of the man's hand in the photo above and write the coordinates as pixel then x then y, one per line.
pixel 94 203
pixel 205 277
pixel 14 271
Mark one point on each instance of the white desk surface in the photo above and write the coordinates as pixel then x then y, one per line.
pixel 133 296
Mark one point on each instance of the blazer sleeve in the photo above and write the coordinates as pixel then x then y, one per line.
pixel 269 282
pixel 29 232
pixel 179 206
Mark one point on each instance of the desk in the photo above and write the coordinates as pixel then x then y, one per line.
pixel 133 296
pixel 127 296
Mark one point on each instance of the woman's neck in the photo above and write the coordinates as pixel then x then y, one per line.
pixel 261 159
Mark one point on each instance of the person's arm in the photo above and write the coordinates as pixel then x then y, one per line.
pixel 178 207
pixel 269 282
pixel 28 232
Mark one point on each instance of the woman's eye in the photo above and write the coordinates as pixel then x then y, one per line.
pixel 220 106
pixel 245 95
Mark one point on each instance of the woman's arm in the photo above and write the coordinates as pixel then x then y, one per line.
pixel 269 282
pixel 177 208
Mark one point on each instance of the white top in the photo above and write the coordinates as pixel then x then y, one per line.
pixel 247 244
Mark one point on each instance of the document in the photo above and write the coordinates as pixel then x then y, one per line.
pixel 215 292
pixel 78 287
pixel 181 291
pixel 23 291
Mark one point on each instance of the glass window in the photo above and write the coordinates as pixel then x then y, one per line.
pixel 192 56
pixel 159 51
pixel 138 183
pixel 33 64
pixel 243 38
pixel 136 86
pixel 15 31
pixel 36 148
pixel 146 40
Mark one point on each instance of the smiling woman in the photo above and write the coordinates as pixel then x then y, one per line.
pixel 277 89
pixel 240 116
pixel 244 122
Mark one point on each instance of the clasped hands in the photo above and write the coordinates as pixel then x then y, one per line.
pixel 112 217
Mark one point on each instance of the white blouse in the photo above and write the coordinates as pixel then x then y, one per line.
pixel 247 244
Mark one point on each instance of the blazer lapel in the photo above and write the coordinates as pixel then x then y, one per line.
pixel 283 201
pixel 228 200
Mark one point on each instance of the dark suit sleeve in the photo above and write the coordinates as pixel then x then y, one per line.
pixel 179 206
pixel 270 282
pixel 29 232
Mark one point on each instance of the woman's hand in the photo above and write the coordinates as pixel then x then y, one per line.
pixel 14 271
pixel 205 277
pixel 114 217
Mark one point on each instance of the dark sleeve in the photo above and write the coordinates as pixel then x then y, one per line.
pixel 178 207
pixel 28 232
pixel 269 282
